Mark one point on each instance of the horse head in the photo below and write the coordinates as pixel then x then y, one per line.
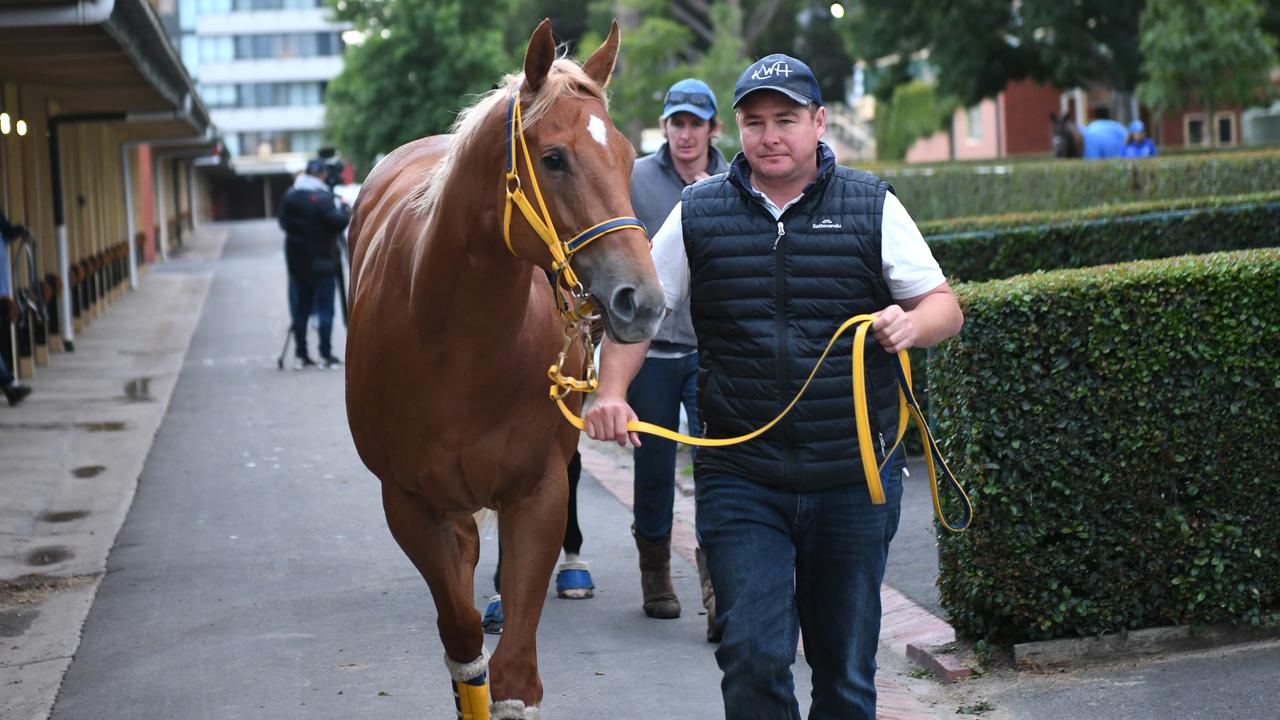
pixel 582 165
pixel 1066 140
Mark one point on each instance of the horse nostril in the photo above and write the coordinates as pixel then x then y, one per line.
pixel 622 306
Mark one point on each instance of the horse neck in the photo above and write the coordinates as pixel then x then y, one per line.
pixel 1077 140
pixel 465 263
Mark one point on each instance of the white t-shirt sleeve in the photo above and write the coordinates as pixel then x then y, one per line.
pixel 908 264
pixel 671 261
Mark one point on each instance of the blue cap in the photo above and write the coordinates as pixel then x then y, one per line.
pixel 691 96
pixel 1137 127
pixel 780 73
pixel 316 167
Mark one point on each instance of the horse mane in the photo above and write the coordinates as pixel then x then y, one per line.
pixel 565 77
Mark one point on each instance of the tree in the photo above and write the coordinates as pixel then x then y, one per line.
pixel 916 110
pixel 978 47
pixel 1213 53
pixel 650 58
pixel 417 65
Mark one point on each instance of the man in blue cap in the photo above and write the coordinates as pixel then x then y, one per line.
pixel 772 257
pixel 1138 144
pixel 666 380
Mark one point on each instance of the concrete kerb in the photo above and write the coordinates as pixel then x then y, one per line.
pixel 1148 642
pixel 73 454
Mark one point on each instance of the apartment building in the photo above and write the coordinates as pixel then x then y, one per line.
pixel 262 67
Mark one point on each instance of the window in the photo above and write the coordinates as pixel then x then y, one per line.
pixel 220 95
pixel 1225 127
pixel 973 124
pixel 277 141
pixel 1193 129
pixel 291 45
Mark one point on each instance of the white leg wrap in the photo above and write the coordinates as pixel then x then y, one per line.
pixel 573 562
pixel 513 710
pixel 462 672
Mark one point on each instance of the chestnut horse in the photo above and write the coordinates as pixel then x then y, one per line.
pixel 453 323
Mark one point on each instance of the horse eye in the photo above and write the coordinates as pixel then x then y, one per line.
pixel 555 162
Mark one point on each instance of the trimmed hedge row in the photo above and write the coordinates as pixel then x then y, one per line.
pixel 979 223
pixel 1116 427
pixel 998 247
pixel 937 192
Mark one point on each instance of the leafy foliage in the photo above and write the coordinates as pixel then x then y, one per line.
pixel 1005 246
pixel 915 111
pixel 1116 426
pixel 1213 53
pixel 418 64
pixel 964 190
pixel 980 46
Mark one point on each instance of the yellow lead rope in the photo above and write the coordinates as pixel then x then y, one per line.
pixel 906 405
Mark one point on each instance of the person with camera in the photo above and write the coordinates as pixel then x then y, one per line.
pixel 312 217
pixel 14 391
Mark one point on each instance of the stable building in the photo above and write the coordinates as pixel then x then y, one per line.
pixel 106 154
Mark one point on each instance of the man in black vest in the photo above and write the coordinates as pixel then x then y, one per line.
pixel 773 256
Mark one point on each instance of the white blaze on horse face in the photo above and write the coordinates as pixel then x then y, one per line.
pixel 596 127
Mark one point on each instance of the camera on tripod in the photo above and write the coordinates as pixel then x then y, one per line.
pixel 332 165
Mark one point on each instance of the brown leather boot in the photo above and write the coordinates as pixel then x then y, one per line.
pixel 655 578
pixel 708 596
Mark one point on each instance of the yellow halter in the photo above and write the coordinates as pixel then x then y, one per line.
pixel 907 404
pixel 578 312
pixel 540 219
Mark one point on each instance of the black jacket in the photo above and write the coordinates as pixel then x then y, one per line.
pixel 311 220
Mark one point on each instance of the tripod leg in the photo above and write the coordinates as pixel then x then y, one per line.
pixel 288 335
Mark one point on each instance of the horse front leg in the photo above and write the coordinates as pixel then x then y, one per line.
pixel 445 552
pixel 531 531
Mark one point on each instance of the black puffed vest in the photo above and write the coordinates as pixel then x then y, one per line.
pixel 766 297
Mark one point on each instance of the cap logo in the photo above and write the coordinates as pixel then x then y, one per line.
pixel 764 72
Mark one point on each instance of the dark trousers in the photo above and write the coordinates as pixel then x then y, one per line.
pixel 656 394
pixel 6 377
pixel 797 564
pixel 308 294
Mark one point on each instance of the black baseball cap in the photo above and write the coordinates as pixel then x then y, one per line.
pixel 316 167
pixel 780 73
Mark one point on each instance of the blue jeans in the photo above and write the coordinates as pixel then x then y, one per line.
pixel 308 294
pixel 656 394
pixel 808 562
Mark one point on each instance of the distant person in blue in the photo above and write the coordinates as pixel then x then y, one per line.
pixel 1098 140
pixel 1139 145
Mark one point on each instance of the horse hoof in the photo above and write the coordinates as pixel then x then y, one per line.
pixel 493 618
pixel 574 583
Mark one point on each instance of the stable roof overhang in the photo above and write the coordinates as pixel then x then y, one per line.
pixel 102 57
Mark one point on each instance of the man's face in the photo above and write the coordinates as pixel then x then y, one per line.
pixel 688 136
pixel 779 136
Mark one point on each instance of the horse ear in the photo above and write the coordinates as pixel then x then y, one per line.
pixel 539 56
pixel 600 65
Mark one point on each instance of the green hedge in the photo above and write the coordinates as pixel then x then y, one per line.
pixel 1117 428
pixel 949 191
pixel 987 248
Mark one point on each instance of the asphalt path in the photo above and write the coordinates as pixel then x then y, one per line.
pixel 254 576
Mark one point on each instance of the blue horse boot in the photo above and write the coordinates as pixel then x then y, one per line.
pixel 493 619
pixel 573 581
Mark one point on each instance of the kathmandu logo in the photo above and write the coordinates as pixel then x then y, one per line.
pixel 764 72
pixel 826 224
